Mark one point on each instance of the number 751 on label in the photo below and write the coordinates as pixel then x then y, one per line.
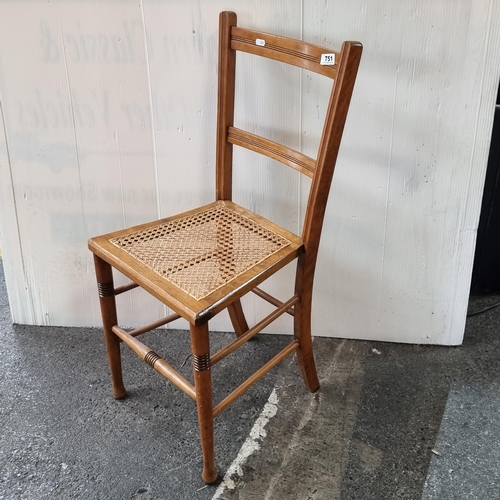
pixel 327 59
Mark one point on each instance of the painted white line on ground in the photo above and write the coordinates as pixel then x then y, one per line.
pixel 293 448
pixel 250 446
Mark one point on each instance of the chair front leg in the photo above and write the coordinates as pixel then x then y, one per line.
pixel 200 347
pixel 105 285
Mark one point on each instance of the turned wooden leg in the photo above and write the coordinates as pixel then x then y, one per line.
pixel 237 318
pixel 105 286
pixel 203 384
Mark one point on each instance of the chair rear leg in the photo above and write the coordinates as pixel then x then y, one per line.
pixel 237 316
pixel 105 286
pixel 302 332
pixel 203 384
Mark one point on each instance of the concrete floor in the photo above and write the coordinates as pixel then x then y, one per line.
pixel 367 434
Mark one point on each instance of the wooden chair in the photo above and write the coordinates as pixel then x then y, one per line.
pixel 203 261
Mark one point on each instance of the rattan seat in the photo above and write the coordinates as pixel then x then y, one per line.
pixel 201 252
pixel 201 255
pixel 203 261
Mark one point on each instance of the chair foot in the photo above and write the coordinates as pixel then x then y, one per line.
pixel 117 388
pixel 313 390
pixel 119 393
pixel 209 475
pixel 308 369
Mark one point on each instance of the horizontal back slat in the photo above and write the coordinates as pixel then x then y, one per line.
pixel 301 54
pixel 288 156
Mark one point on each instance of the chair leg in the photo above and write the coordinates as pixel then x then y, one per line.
pixel 238 318
pixel 105 286
pixel 302 332
pixel 203 384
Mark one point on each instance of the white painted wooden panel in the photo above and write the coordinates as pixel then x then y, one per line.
pixel 110 120
pixel 402 226
pixel 82 163
pixel 19 296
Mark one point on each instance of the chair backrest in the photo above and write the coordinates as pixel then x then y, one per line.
pixel 341 66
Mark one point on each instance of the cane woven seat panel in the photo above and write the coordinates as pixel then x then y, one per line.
pixel 202 252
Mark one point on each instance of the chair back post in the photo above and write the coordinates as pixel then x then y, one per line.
pixel 225 107
pixel 336 115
